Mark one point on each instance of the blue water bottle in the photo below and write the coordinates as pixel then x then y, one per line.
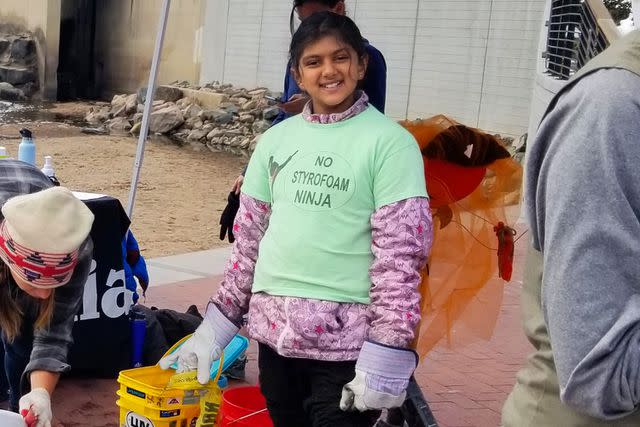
pixel 27 149
pixel 138 330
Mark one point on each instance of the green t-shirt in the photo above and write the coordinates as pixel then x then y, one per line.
pixel 324 181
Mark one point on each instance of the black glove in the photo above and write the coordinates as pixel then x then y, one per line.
pixel 228 216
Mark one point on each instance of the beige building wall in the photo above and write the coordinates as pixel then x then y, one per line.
pixel 125 38
pixel 41 17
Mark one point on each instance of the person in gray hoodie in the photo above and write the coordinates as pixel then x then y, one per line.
pixel 581 293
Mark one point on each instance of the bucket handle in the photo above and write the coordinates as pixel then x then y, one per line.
pixel 176 345
pixel 244 417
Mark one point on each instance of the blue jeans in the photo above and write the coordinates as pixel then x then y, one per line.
pixel 16 357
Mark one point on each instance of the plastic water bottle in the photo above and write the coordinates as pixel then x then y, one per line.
pixel 47 169
pixel 27 149
pixel 3 153
pixel 138 331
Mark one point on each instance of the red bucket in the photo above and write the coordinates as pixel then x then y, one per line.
pixel 244 406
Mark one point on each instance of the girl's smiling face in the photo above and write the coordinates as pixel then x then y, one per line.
pixel 329 71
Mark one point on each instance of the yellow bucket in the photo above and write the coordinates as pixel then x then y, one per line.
pixel 145 400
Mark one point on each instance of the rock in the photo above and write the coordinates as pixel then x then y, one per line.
pixel 135 129
pixel 246 142
pixel 270 113
pixel 186 101
pixel 166 119
pixel 168 93
pixel 4 45
pixel 232 133
pixel 118 124
pixel 118 100
pixel 22 49
pixel 10 93
pixel 191 123
pixel 263 103
pixel 197 135
pixel 217 116
pixel 123 105
pixel 17 75
pixel 215 133
pixel 97 116
pixel 191 111
pixel 213 144
pixel 236 141
pixel 94 131
pixel 137 118
pixel 208 127
pixel 259 91
pixel 230 108
pixel 260 126
pixel 249 105
pixel 29 89
pixel 164 93
pixel 246 118
pixel 181 135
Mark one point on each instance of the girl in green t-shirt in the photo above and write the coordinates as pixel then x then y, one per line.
pixel 332 232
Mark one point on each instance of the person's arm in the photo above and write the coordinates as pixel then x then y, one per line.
pixel 402 234
pixel 252 220
pixel 51 345
pixel 44 379
pixel 586 210
pixel 374 83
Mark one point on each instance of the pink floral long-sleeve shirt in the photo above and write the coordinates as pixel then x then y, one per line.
pixel 326 330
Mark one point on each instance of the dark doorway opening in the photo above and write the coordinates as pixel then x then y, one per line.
pixel 76 62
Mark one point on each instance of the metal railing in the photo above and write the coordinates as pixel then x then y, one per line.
pixel 578 31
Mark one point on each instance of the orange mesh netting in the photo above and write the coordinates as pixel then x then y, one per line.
pixel 473 183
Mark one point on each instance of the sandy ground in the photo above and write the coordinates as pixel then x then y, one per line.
pixel 181 193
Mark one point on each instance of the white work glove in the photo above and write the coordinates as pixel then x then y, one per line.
pixel 382 377
pixel 204 347
pixel 37 404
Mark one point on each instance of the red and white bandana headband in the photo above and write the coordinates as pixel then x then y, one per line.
pixel 41 270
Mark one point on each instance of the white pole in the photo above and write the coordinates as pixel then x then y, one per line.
pixel 151 87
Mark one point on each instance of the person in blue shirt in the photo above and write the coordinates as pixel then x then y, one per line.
pixel 293 100
pixel 374 83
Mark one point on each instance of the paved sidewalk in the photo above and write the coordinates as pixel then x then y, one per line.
pixel 464 387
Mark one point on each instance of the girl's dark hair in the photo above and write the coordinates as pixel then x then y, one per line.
pixel 320 25
pixel 297 3
pixel 330 3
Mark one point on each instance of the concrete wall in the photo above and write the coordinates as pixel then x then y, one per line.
pixel 41 17
pixel 474 60
pixel 125 38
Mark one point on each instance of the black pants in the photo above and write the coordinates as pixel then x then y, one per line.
pixel 306 393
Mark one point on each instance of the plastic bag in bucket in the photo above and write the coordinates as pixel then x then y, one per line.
pixel 209 403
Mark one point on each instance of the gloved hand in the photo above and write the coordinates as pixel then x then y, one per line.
pixel 35 407
pixel 204 347
pixel 229 215
pixel 381 380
